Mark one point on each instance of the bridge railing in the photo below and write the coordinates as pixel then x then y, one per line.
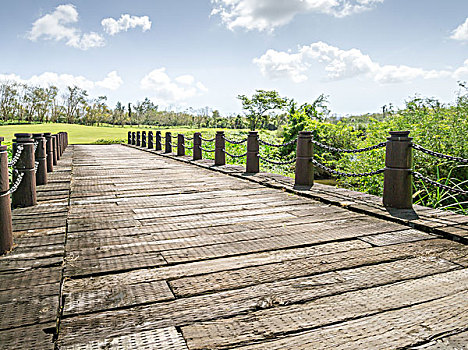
pixel 34 155
pixel 398 171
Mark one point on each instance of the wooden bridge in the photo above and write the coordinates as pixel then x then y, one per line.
pixel 135 249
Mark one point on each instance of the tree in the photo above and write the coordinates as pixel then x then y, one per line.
pixel 262 101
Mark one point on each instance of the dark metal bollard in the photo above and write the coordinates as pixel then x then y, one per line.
pixel 304 175
pixel 398 187
pixel 54 149
pixel 40 157
pixel 138 139
pixel 25 195
pixel 57 147
pixel 143 139
pixel 168 143
pixel 158 141
pixel 150 140
pixel 129 138
pixel 180 145
pixel 197 143
pixel 220 144
pixel 253 161
pixel 133 138
pixel 6 229
pixel 49 152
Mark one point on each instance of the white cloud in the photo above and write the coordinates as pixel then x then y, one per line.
pixel 58 26
pixel 461 32
pixel 111 82
pixel 339 64
pixel 268 14
pixel 169 90
pixel 124 23
pixel 462 72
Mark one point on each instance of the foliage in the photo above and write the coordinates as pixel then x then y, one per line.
pixel 262 101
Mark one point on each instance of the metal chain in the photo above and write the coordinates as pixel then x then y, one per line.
pixel 234 142
pixel 277 163
pixel 36 143
pixel 36 165
pixel 189 138
pixel 17 182
pixel 437 184
pixel 359 150
pixel 19 149
pixel 207 150
pixel 235 155
pixel 336 172
pixel 438 155
pixel 174 137
pixel 186 147
pixel 172 144
pixel 208 140
pixel 278 145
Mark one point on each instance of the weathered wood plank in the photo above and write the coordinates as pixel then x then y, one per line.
pixel 392 329
pixel 272 323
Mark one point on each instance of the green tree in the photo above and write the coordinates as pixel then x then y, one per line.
pixel 262 101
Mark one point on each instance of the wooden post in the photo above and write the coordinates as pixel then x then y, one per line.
pixel 304 174
pixel 25 195
pixel 57 146
pixel 168 146
pixel 197 142
pixel 129 137
pixel 49 152
pixel 41 157
pixel 398 187
pixel 158 141
pixel 143 139
pixel 220 144
pixel 6 229
pixel 66 139
pixel 150 140
pixel 54 149
pixel 133 138
pixel 253 161
pixel 180 145
pixel 138 140
pixel 60 138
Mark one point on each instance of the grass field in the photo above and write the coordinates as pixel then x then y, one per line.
pixel 81 134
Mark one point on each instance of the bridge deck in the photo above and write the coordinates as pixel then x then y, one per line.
pixel 138 251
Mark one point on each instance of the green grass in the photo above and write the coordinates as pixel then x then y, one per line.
pixel 81 134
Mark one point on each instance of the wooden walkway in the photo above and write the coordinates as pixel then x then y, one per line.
pixel 131 250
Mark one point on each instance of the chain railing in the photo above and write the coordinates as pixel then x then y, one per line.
pixel 17 156
pixel 397 172
pixel 341 150
pixel 19 178
pixel 439 155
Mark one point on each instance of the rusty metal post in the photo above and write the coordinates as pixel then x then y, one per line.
pixel 40 157
pixel 168 145
pixel 49 152
pixel 25 195
pixel 398 187
pixel 158 141
pixel 304 174
pixel 220 144
pixel 150 140
pixel 6 229
pixel 180 145
pixel 138 139
pixel 143 139
pixel 54 149
pixel 57 147
pixel 197 143
pixel 253 161
pixel 129 137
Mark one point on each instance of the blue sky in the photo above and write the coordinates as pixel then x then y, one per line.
pixel 195 53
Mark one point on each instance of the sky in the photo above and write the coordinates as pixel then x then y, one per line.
pixel 363 54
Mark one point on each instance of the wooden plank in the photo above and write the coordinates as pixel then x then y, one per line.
pixel 396 237
pixel 27 338
pixel 458 341
pixel 392 329
pixel 186 311
pixel 278 321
